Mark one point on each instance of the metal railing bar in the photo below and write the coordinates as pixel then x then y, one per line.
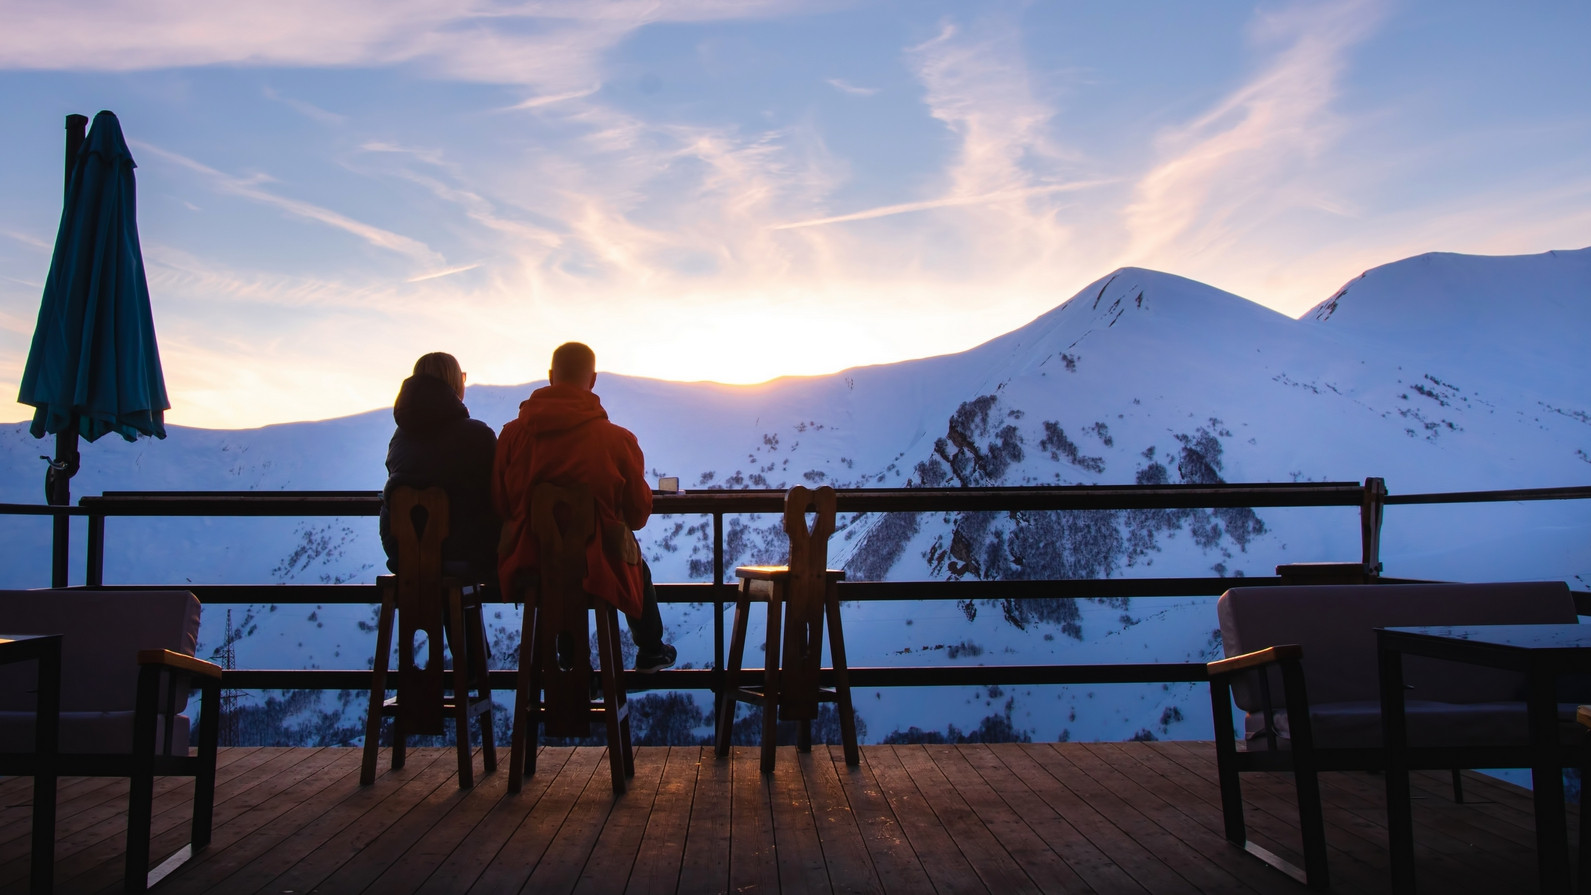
pixel 1518 494
pixel 703 678
pixel 705 593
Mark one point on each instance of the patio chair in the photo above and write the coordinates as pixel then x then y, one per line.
pixel 799 597
pixel 417 598
pixel 555 675
pixel 1302 665
pixel 127 669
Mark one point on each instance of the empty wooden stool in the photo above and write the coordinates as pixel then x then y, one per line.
pixel 799 597
pixel 418 596
pixel 555 690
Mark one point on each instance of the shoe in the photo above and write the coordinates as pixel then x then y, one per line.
pixel 648 662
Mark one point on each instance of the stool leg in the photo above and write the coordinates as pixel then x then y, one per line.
pixel 461 689
pixel 770 677
pixel 607 622
pixel 378 688
pixel 737 649
pixel 842 676
pixel 524 709
pixel 616 648
pixel 483 684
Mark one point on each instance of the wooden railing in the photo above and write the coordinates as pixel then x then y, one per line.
pixel 1370 497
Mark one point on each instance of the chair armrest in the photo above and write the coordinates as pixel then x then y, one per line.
pixel 179 662
pixel 1259 658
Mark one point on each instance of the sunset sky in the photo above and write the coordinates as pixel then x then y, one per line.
pixel 710 189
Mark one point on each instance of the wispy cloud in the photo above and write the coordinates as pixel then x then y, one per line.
pixel 845 87
pixel 537 102
pixel 444 272
pixel 946 202
pixel 28 240
pixel 1236 164
pixel 308 110
pixel 248 188
pixel 551 45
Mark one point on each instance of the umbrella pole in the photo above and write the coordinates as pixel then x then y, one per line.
pixel 58 480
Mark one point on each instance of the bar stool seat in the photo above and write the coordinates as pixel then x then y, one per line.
pixel 800 597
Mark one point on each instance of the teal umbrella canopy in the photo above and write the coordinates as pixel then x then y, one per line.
pixel 94 362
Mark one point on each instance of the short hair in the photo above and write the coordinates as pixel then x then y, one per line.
pixel 443 366
pixel 573 362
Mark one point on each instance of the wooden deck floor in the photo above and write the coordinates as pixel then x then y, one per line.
pixel 1107 817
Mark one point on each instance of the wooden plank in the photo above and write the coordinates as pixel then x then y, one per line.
pixel 1199 855
pixel 849 867
pixel 352 827
pixel 795 830
pixel 1271 816
pixel 574 846
pixel 987 854
pixel 896 863
pixel 704 867
pixel 522 852
pixel 618 847
pixel 85 841
pixel 325 816
pixel 662 847
pixel 1133 857
pixel 171 824
pixel 463 865
pixel 1032 853
pixel 753 856
pixel 1153 766
pixel 75 795
pixel 890 825
pixel 941 859
pixel 1355 802
pixel 249 825
pixel 409 830
pixel 1096 871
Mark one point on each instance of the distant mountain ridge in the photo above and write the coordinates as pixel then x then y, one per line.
pixel 1440 372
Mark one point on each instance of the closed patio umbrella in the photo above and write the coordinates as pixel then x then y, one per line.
pixel 94 366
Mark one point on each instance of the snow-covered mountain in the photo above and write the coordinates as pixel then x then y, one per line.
pixel 1438 373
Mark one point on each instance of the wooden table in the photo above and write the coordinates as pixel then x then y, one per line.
pixel 1543 653
pixel 44 649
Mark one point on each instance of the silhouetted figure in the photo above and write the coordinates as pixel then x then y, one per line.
pixel 437 444
pixel 563 436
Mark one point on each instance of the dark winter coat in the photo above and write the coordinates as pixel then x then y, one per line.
pixel 437 443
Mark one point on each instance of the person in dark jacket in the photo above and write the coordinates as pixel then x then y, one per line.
pixel 436 443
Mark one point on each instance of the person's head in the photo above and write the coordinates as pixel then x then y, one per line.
pixel 573 363
pixel 443 366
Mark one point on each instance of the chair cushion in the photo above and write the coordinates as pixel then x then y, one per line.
pixel 91 733
pixel 1345 725
pixel 103 632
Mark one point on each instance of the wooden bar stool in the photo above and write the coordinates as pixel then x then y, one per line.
pixel 419 595
pixel 554 689
pixel 799 597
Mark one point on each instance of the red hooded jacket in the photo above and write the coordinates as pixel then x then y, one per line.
pixel 563 436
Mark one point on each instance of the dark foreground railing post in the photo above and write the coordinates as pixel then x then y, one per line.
pixel 1370 511
pixel 95 576
pixel 718 614
pixel 60 548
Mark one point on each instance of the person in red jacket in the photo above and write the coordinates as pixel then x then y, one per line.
pixel 563 436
